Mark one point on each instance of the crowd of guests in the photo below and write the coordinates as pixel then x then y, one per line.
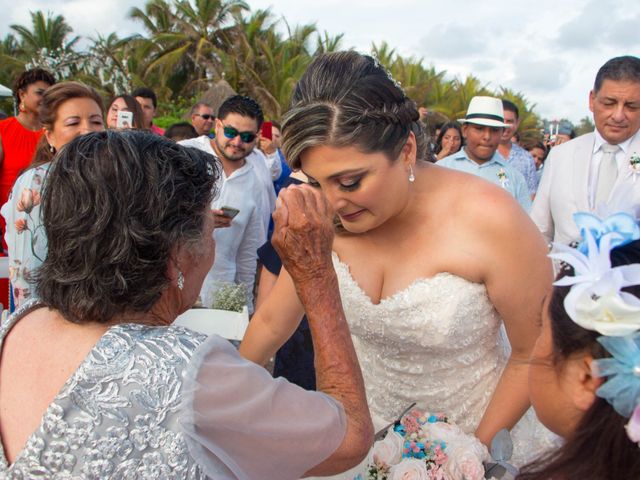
pixel 114 226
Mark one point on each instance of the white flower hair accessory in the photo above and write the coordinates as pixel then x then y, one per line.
pixel 596 300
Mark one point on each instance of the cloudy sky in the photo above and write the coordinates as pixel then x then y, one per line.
pixel 549 50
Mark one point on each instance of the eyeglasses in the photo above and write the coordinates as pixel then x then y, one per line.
pixel 206 116
pixel 246 137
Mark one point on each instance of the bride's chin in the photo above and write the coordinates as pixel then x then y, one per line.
pixel 358 228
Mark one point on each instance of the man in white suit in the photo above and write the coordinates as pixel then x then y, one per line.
pixel 583 173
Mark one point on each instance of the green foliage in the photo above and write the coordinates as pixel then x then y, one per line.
pixel 586 125
pixel 231 297
pixel 186 46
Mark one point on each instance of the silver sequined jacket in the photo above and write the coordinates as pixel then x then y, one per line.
pixel 116 416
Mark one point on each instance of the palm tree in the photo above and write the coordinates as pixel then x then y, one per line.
pixel 113 63
pixel 265 65
pixel 385 54
pixel 530 124
pixel 48 33
pixel 458 95
pixel 10 60
pixel 186 40
pixel 326 43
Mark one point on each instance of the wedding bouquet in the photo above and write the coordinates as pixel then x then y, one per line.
pixel 423 446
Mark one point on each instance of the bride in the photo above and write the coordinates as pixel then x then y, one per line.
pixel 431 262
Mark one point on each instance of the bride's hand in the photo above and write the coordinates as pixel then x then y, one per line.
pixel 303 232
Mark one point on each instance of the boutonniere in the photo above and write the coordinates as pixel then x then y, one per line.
pixel 502 178
pixel 634 165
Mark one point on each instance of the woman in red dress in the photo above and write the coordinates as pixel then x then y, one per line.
pixel 19 135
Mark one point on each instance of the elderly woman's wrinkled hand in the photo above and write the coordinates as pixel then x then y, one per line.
pixel 303 233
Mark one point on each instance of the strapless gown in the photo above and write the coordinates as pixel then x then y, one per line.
pixel 439 343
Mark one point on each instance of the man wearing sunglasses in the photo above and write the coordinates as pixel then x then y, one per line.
pixel 202 119
pixel 246 193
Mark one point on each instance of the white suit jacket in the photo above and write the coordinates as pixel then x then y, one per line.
pixel 563 189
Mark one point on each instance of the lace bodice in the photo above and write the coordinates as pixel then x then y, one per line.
pixel 117 415
pixel 439 343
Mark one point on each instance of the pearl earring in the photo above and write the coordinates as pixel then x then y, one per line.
pixel 412 177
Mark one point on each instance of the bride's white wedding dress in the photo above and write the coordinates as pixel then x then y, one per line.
pixel 438 343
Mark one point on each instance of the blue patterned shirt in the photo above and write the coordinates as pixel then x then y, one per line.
pixel 496 171
pixel 522 161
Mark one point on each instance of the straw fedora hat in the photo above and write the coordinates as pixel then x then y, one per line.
pixel 485 111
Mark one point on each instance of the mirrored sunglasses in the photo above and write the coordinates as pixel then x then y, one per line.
pixel 246 137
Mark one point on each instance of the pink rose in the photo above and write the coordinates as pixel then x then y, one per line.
pixel 25 204
pixel 409 469
pixel 464 463
pixel 388 451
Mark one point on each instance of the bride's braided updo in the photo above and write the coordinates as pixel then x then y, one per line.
pixel 348 99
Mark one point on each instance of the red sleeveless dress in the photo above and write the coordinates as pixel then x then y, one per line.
pixel 18 145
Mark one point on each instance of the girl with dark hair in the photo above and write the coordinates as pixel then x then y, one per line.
pixel 449 140
pixel 124 103
pixel 68 109
pixel 425 256
pixel 584 368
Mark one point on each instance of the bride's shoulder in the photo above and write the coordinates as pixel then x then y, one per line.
pixel 463 194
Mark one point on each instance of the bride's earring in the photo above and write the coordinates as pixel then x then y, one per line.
pixel 412 177
pixel 180 280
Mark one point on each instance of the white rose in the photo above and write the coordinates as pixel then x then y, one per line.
pixel 409 469
pixel 463 463
pixel 387 451
pixel 445 432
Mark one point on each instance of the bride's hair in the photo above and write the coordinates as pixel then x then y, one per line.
pixel 599 447
pixel 349 99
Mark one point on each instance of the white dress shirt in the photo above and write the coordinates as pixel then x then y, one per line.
pixel 237 245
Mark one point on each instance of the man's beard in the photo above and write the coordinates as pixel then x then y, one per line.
pixel 241 155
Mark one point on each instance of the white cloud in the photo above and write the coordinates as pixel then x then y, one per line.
pixel 536 75
pixel 454 41
pixel 548 50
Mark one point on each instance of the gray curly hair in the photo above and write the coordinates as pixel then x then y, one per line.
pixel 349 99
pixel 115 207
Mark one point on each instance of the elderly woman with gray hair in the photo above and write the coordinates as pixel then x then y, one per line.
pixel 93 377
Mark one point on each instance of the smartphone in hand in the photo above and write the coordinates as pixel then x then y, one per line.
pixel 125 119
pixel 229 212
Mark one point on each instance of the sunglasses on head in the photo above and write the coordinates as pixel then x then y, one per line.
pixel 206 116
pixel 246 137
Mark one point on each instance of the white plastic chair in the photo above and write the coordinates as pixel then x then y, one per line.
pixel 229 325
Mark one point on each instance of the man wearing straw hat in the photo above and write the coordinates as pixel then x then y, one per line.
pixel 482 129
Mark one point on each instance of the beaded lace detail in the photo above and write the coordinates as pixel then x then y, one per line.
pixel 438 343
pixel 117 415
